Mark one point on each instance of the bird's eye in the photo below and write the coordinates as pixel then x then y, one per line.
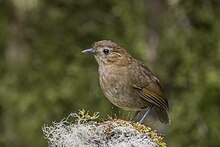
pixel 106 51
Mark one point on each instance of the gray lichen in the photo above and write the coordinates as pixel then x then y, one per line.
pixel 81 130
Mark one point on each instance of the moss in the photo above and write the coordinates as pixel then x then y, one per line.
pixel 83 129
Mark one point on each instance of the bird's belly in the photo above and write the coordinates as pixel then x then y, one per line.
pixel 119 91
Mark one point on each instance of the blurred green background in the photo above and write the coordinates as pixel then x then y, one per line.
pixel 44 76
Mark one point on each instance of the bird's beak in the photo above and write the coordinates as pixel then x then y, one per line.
pixel 89 51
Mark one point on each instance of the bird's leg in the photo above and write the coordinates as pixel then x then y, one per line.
pixel 134 115
pixel 145 114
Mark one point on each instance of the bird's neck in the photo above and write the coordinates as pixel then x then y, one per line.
pixel 117 68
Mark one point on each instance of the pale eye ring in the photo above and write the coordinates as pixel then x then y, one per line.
pixel 106 51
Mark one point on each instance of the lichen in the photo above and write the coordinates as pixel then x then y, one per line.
pixel 84 130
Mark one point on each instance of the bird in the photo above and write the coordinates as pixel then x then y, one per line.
pixel 128 83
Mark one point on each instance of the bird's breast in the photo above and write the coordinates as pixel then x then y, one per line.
pixel 117 87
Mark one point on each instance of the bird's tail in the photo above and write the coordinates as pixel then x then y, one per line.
pixel 163 115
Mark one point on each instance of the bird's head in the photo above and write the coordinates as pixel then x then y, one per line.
pixel 107 52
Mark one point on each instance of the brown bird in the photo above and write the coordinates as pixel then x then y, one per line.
pixel 127 83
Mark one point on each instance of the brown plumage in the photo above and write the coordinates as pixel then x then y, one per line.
pixel 128 83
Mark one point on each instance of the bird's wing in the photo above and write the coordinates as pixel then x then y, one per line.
pixel 152 93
